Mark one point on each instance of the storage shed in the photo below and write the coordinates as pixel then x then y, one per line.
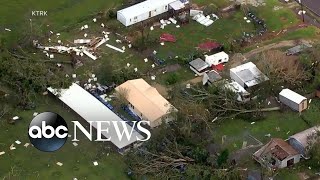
pixel 294 100
pixel 198 66
pixel 217 58
pixel 211 77
pixel 145 10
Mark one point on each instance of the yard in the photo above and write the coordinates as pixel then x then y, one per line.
pixel 66 17
pixel 30 163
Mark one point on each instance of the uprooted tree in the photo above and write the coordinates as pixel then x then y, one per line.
pixel 26 75
pixel 179 150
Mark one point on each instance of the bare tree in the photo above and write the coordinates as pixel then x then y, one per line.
pixel 282 69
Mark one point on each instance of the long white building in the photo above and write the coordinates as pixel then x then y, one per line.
pixel 147 9
pixel 91 109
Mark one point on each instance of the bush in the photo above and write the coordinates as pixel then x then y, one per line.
pixel 223 158
pixel 172 79
pixel 112 14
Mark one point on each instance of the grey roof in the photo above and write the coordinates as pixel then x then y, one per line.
pixel 213 76
pixel 302 137
pixel 198 64
pixel 246 75
pixel 298 48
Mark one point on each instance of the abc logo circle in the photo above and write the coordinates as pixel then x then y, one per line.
pixel 48 132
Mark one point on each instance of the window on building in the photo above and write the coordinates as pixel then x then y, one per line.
pixel 136 17
pixel 166 7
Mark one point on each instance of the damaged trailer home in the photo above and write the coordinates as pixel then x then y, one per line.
pixel 147 9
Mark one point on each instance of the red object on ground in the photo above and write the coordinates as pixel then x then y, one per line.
pixel 208 46
pixel 218 67
pixel 167 38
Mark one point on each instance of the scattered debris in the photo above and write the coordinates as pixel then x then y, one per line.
pixel 267 135
pixel 146 60
pixel 6 29
pixel 253 123
pixel 94 20
pixel 12 147
pixel 135 69
pixel 16 118
pixel 89 55
pixel 75 144
pixel 59 164
pixel 95 163
pixel 2 153
pixel 82 41
pixel 18 142
pixel 115 48
pixel 74 76
pixel 26 145
pixel 35 114
pixel 188 86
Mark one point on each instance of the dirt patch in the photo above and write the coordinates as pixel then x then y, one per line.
pixel 161 89
pixel 170 68
pixel 194 81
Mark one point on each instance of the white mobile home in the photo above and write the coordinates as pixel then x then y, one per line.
pixel 217 58
pixel 294 100
pixel 145 10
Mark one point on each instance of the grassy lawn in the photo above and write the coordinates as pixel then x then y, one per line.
pixel 289 123
pixel 30 163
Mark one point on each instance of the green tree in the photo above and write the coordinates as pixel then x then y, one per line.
pixel 223 158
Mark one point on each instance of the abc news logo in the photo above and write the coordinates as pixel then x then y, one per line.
pixel 48 131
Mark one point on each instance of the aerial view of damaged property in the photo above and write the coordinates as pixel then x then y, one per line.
pixel 160 90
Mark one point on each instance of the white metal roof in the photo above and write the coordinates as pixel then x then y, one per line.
pixel 293 96
pixel 143 7
pixel 177 5
pixel 91 109
pixel 249 74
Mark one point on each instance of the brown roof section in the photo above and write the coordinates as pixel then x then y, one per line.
pixel 146 99
pixel 279 149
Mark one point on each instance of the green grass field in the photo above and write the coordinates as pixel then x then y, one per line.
pixel 30 163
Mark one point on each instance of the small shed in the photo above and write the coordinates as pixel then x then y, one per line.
pixel 198 66
pixel 210 77
pixel 217 58
pixel 294 100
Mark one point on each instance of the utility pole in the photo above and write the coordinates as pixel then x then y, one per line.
pixel 302 11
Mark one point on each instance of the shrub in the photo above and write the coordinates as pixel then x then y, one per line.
pixel 172 79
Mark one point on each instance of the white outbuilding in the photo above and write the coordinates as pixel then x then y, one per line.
pixel 146 9
pixel 247 75
pixel 217 58
pixel 294 100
